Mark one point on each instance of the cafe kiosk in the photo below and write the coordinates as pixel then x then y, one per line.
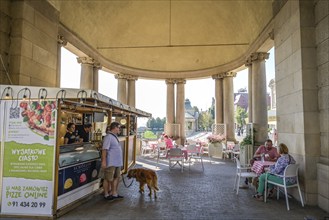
pixel 40 175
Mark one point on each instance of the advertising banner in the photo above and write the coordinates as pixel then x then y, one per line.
pixel 28 160
pixel 1 120
pixel 73 177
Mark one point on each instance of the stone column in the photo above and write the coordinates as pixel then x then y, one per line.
pixel 122 87
pixel 97 66
pixel 228 96
pixel 259 96
pixel 273 93
pixel 218 98
pixel 132 91
pixel 86 78
pixel 248 64
pixel 180 108
pixel 170 113
pixel 61 42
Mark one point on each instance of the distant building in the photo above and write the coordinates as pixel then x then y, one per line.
pixel 191 118
pixel 241 100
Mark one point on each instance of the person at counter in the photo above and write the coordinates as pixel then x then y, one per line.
pixel 112 162
pixel 84 133
pixel 71 136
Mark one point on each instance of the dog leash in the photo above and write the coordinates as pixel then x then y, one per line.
pixel 123 179
pixel 124 182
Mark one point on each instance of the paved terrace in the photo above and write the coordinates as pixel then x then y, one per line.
pixel 192 195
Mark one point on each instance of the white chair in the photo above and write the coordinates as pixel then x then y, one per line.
pixel 205 150
pixel 176 155
pixel 146 149
pixel 195 153
pixel 161 151
pixel 226 152
pixel 242 172
pixel 236 151
pixel 291 171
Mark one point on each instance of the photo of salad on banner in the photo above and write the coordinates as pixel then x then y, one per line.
pixel 40 117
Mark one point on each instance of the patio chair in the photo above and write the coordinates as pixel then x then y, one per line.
pixel 176 155
pixel 291 171
pixel 161 151
pixel 236 151
pixel 195 153
pixel 205 150
pixel 242 172
pixel 146 149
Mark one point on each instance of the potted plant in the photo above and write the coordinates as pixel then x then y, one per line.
pixel 215 145
pixel 246 149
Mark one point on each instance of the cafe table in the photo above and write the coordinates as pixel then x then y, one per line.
pixel 259 167
pixel 187 151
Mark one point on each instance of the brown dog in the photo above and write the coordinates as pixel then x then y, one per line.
pixel 145 176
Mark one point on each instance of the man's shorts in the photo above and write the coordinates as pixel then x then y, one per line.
pixel 112 172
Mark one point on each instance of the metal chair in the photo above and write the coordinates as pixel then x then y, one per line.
pixel 291 171
pixel 244 172
pixel 236 151
pixel 176 155
pixel 195 153
pixel 161 152
pixel 146 149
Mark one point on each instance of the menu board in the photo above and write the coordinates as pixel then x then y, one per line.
pixel 28 160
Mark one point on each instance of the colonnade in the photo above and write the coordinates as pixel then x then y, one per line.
pixel 126 89
pixel 257 95
pixel 175 123
pixel 224 102
pixel 224 96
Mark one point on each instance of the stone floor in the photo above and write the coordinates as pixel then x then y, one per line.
pixel 192 195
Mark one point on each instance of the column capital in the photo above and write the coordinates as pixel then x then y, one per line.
pixel 258 56
pixel 132 78
pixel 248 62
pixel 61 40
pixel 97 65
pixel 125 76
pixel 180 81
pixel 175 81
pixel 86 60
pixel 170 81
pixel 120 76
pixel 223 75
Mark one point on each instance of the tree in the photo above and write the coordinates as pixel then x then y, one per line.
pixel 240 116
pixel 205 120
pixel 156 124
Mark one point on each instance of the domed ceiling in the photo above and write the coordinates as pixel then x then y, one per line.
pixel 166 39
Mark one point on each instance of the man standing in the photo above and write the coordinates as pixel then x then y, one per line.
pixel 112 162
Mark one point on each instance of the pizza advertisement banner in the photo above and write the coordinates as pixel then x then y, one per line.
pixel 28 160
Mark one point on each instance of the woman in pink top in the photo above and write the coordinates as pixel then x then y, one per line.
pixel 168 142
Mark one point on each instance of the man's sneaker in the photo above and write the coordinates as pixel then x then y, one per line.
pixel 108 197
pixel 117 197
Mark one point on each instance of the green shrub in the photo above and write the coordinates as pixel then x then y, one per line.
pixel 149 135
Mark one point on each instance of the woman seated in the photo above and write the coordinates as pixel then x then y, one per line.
pixel 168 141
pixel 278 168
